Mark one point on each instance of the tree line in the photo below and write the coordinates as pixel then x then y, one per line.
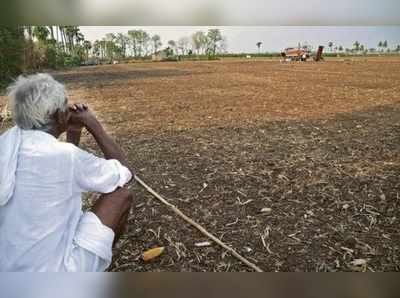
pixel 140 44
pixel 382 47
pixel 25 49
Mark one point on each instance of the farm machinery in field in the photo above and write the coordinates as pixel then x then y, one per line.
pixel 302 54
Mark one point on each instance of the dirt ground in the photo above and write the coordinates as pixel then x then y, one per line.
pixel 318 144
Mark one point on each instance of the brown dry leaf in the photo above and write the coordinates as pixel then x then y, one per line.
pixel 152 253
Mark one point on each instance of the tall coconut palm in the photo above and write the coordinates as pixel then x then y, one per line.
pixel 356 46
pixel 63 38
pixel 52 32
pixel 330 45
pixel 380 45
pixel 79 37
pixel 87 45
pixel 41 33
pixel 259 44
pixel 71 33
pixel 385 44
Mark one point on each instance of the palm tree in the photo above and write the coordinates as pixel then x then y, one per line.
pixel 259 44
pixel 356 46
pixel 380 45
pixel 79 37
pixel 385 44
pixel 71 33
pixel 52 32
pixel 97 48
pixel 29 60
pixel 87 45
pixel 62 37
pixel 330 45
pixel 41 33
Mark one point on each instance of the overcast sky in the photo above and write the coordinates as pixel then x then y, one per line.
pixel 204 12
pixel 244 39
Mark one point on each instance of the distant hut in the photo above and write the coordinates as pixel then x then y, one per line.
pixel 161 55
pixel 166 54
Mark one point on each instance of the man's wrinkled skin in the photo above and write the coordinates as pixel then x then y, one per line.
pixel 112 209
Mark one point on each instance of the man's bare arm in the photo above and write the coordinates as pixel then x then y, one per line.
pixel 107 145
pixel 81 116
pixel 74 136
pixel 74 130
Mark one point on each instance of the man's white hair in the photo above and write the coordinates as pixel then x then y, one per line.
pixel 35 99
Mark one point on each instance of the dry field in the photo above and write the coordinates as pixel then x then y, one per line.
pixel 318 144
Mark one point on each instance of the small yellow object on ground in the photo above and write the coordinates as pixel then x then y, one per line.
pixel 152 253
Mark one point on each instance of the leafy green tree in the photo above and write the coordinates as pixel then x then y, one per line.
pixel 12 44
pixel 183 45
pixel 214 38
pixel 41 33
pixel 199 42
pixel 122 41
pixel 156 42
pixel 111 49
pixel 139 40
pixel 172 46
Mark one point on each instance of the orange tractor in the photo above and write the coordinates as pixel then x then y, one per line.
pixel 301 54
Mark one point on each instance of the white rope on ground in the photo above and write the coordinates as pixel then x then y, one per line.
pixel 197 226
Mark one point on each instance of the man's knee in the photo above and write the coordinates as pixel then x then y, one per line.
pixel 120 199
pixel 124 195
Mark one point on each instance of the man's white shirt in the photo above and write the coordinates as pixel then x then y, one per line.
pixel 42 225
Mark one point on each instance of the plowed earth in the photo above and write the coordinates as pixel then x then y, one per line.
pixel 318 144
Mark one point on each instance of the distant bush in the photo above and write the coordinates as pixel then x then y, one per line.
pixel 72 61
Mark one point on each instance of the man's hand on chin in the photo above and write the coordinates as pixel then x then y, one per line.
pixel 79 117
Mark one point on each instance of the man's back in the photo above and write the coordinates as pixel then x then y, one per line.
pixel 41 217
pixel 42 226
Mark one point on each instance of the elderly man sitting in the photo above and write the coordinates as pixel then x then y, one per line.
pixel 42 226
